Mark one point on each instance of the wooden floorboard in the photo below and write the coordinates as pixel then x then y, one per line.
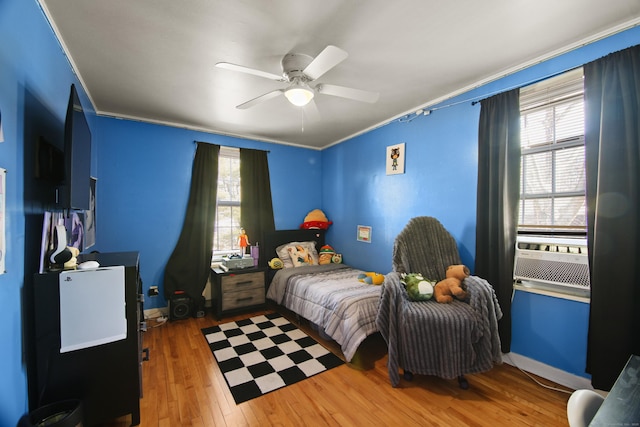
pixel 182 386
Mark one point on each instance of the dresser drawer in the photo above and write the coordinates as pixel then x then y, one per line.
pixel 243 298
pixel 243 282
pixel 237 290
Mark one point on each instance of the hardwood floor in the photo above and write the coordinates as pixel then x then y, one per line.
pixel 183 387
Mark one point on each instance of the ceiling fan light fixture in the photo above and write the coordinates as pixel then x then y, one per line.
pixel 299 94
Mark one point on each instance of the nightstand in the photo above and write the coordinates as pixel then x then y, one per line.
pixel 237 290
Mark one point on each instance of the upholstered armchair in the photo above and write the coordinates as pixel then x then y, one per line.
pixel 427 337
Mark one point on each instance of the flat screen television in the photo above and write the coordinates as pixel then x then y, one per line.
pixel 77 156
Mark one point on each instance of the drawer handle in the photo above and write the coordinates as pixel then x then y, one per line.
pixel 246 282
pixel 244 299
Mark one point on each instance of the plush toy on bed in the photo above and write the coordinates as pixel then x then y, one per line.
pixel 371 278
pixel 316 219
pixel 446 289
pixel 276 263
pixel 418 288
pixel 325 255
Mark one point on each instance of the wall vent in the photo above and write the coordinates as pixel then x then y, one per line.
pixel 561 263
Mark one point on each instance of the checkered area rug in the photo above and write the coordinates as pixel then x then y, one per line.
pixel 265 353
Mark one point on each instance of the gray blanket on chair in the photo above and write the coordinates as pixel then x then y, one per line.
pixel 469 347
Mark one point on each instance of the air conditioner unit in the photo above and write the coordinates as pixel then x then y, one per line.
pixel 558 263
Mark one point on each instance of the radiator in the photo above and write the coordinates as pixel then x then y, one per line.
pixel 561 263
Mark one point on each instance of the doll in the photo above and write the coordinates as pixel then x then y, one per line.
pixel 243 240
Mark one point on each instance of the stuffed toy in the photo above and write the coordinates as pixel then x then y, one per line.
pixel 336 258
pixel 371 278
pixel 418 288
pixel 326 254
pixel 276 264
pixel 73 262
pixel 316 219
pixel 451 286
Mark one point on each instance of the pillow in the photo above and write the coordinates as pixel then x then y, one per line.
pixel 283 252
pixel 300 256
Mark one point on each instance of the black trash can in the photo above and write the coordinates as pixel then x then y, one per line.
pixel 66 413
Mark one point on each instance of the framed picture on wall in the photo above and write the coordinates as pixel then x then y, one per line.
pixel 364 234
pixel 395 159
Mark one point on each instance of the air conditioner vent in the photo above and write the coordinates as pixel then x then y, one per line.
pixel 559 262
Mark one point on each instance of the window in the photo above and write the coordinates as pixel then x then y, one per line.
pixel 553 179
pixel 227 224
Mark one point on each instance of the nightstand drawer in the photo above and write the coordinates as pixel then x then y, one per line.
pixel 237 290
pixel 243 298
pixel 243 282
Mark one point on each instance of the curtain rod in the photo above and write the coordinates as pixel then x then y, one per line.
pixel 522 85
pixel 205 142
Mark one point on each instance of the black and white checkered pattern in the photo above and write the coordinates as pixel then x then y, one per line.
pixel 264 353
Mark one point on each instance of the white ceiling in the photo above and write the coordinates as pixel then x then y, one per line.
pixel 154 60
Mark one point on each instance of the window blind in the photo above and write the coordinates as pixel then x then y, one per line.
pixel 552 180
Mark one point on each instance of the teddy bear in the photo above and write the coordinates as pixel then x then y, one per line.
pixel 418 288
pixel 451 286
pixel 371 278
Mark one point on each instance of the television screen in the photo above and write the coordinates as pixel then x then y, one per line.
pixel 77 152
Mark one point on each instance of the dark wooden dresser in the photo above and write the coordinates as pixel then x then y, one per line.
pixel 107 378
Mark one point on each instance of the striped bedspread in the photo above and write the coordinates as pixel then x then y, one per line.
pixel 331 297
pixel 445 340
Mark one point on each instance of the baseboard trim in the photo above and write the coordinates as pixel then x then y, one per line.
pixel 550 373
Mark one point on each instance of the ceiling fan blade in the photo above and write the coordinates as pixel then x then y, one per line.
pixel 347 92
pixel 261 98
pixel 326 60
pixel 247 70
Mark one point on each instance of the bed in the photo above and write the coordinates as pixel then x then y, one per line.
pixel 329 296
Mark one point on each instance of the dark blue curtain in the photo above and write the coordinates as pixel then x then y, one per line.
pixel 189 266
pixel 498 197
pixel 612 144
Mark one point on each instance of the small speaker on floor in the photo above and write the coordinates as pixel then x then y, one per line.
pixel 180 306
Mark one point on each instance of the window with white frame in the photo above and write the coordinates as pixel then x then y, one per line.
pixel 553 178
pixel 227 221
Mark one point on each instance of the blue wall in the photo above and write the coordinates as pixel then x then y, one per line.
pixel 439 180
pixel 144 176
pixel 35 80
pixel 551 330
pixel 143 173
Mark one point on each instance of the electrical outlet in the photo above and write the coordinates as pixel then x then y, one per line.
pixel 153 291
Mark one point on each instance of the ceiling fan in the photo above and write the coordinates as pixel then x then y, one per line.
pixel 299 70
